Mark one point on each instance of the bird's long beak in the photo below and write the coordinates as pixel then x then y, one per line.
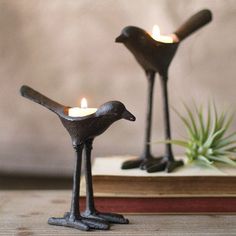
pixel 121 38
pixel 128 116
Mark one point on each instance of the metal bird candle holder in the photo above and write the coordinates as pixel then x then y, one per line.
pixel 83 130
pixel 155 57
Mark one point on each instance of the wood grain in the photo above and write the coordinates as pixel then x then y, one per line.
pixel 25 213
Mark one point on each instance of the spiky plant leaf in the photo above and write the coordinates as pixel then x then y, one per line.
pixel 187 124
pixel 207 140
pixel 223 159
pixel 190 114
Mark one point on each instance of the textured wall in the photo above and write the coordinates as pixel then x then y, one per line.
pixel 66 50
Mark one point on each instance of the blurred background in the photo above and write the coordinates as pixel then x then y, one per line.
pixel 66 50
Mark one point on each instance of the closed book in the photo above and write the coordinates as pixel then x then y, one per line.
pixel 190 189
pixel 164 205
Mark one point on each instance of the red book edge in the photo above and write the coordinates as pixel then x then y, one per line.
pixel 164 205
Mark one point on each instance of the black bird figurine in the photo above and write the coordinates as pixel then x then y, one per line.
pixel 83 130
pixel 155 57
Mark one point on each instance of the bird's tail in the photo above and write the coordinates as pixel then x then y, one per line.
pixel 39 98
pixel 194 23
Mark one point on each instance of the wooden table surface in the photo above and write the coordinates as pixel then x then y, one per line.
pixel 25 213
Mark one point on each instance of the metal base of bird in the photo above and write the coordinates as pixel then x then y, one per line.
pixel 164 163
pixel 152 164
pixel 109 217
pixel 81 223
pixel 140 162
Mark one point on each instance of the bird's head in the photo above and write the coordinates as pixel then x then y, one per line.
pixel 133 34
pixel 151 54
pixel 115 110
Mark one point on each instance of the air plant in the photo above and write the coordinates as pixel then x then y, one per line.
pixel 208 141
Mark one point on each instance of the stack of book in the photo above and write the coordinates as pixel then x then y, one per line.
pixel 190 189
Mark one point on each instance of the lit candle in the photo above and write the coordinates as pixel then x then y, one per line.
pixel 81 111
pixel 156 34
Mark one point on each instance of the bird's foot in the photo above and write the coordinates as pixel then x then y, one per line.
pixel 81 223
pixel 164 164
pixel 131 164
pixel 110 217
pixel 149 160
pixel 142 162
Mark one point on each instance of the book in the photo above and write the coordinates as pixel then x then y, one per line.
pixel 187 181
pixel 164 205
pixel 189 189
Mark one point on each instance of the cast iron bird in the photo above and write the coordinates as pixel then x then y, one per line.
pixel 83 130
pixel 155 57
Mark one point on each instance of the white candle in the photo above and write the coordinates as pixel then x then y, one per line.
pixel 156 34
pixel 81 111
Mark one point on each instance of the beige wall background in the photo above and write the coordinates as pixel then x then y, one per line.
pixel 66 50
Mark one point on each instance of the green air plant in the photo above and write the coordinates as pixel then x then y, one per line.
pixel 208 141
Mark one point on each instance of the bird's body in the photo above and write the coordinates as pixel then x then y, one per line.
pixel 151 55
pixel 155 57
pixel 96 123
pixel 83 130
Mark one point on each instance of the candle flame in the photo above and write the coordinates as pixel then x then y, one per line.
pixel 156 34
pixel 84 103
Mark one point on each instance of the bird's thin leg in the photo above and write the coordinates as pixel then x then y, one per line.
pixel 146 157
pixel 91 212
pixel 148 129
pixel 168 151
pixel 73 218
pixel 97 223
pixel 74 211
pixel 171 164
pixel 90 208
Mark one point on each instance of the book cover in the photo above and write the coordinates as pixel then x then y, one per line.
pixel 190 189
